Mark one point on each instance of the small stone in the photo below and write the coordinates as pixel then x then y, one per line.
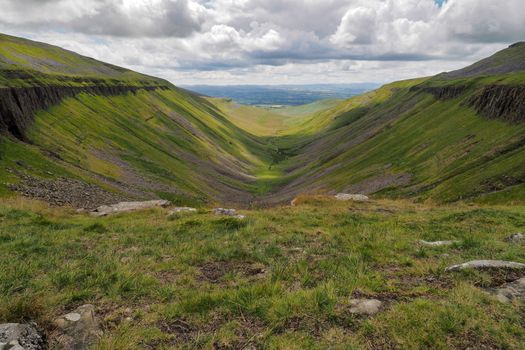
pixel 365 306
pixel 515 237
pixel 351 197
pixel 487 264
pixel 437 243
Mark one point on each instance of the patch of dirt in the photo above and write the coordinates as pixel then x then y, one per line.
pixel 248 333
pixel 63 191
pixel 214 271
pixel 499 277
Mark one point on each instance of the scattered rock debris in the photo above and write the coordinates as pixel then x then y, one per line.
pixel 228 212
pixel 63 191
pixel 437 243
pixel 487 264
pixel 365 306
pixel 77 330
pixel 16 336
pixel 128 206
pixel 351 197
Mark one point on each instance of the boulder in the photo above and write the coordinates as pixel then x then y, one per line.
pixel 179 210
pixel 437 243
pixel 510 291
pixel 78 329
pixel 16 336
pixel 351 197
pixel 515 237
pixel 128 206
pixel 487 264
pixel 228 212
pixel 365 306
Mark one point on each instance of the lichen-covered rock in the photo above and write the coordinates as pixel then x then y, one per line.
pixel 179 210
pixel 436 243
pixel 515 237
pixel 16 336
pixel 122 207
pixel 510 291
pixel 487 264
pixel 365 306
pixel 228 212
pixel 351 197
pixel 78 330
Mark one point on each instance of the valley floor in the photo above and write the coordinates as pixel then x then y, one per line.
pixel 283 278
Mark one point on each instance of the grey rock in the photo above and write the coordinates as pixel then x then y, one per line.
pixel 487 264
pixel 228 212
pixel 351 197
pixel 179 210
pixel 16 336
pixel 365 306
pixel 510 291
pixel 515 237
pixel 122 207
pixel 78 329
pixel 437 243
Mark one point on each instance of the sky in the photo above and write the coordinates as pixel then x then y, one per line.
pixel 273 41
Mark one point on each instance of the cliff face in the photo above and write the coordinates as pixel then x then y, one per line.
pixel 442 92
pixel 504 102
pixel 19 104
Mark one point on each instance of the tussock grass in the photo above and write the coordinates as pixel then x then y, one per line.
pixel 282 278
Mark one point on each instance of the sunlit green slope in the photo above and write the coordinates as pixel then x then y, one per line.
pixel 455 136
pixel 128 133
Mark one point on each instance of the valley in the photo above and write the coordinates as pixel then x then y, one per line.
pixel 349 220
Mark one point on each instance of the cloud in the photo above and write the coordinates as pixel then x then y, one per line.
pixel 126 18
pixel 426 28
pixel 273 39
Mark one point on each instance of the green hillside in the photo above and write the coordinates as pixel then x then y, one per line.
pixel 456 136
pixel 438 139
pixel 131 135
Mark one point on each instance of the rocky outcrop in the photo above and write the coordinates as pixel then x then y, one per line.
pixel 437 243
pixel 504 102
pixel 228 212
pixel 123 207
pixel 78 330
pixel 510 291
pixel 19 104
pixel 351 197
pixel 180 210
pixel 16 336
pixel 487 264
pixel 441 92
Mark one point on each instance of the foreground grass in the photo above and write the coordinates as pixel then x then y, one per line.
pixel 282 279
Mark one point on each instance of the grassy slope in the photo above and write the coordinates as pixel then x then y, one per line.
pixel 178 145
pixel 281 280
pixel 451 152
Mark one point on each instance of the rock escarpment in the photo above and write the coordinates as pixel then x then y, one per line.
pixel 19 104
pixel 506 102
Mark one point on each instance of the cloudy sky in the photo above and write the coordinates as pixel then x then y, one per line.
pixel 273 41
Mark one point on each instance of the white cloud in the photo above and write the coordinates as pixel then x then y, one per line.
pixel 272 40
